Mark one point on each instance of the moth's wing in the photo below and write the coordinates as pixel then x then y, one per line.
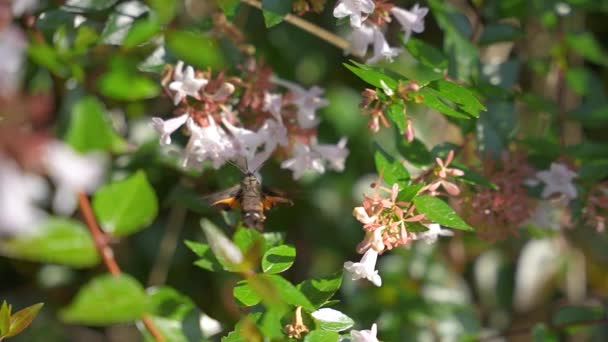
pixel 270 197
pixel 226 199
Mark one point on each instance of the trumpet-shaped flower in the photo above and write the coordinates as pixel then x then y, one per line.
pixel 412 20
pixel 307 102
pixel 434 232
pixel 366 268
pixel 166 127
pixel 382 51
pixel 360 38
pixel 357 10
pixel 185 83
pixel 365 335
pixel 335 155
pixel 558 180
pixel 303 159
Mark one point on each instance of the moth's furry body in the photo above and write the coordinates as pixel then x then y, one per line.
pixel 251 198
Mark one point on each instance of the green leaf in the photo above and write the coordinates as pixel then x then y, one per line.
pixel 126 206
pixel 270 325
pixel 5 318
pixel 319 291
pixel 430 98
pixel 371 75
pixel 414 152
pixel 322 336
pixel 496 128
pixel 58 240
pixel 207 259
pixel 426 54
pixel 23 318
pixel 459 95
pixel 226 252
pixel 278 259
pixel 396 112
pixel 391 170
pixel 440 212
pixel 289 293
pixel 164 9
pixel 175 316
pixel 473 177
pixel 540 333
pixel 244 294
pixel 275 10
pixel 107 300
pixel 89 129
pixel 46 56
pixel 587 46
pixel 407 193
pixel 247 238
pixel 141 31
pixel 123 82
pixel 229 7
pixel 594 170
pixel 499 32
pixel 569 315
pixel 332 320
pixel 89 5
pixel 195 48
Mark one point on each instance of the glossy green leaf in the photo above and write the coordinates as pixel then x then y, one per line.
pixel 431 99
pixel 499 32
pixel 244 294
pixel 123 82
pixel 207 259
pixel 270 324
pixel 319 291
pixel 23 318
pixel 247 238
pixel 426 54
pixel 392 171
pixel 58 240
pixel 322 336
pixel 414 152
pixel 460 95
pixel 288 292
pixel 586 45
pixel 195 48
pixel 440 212
pixel 396 112
pixel 408 192
pixel 107 300
pixel 332 320
pixel 278 259
pixel 141 31
pixel 275 10
pixel 89 128
pixel 371 75
pixel 126 206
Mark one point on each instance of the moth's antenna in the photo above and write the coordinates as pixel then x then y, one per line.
pixel 235 164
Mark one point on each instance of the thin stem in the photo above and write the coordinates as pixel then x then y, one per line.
pixel 107 255
pixel 175 223
pixel 309 27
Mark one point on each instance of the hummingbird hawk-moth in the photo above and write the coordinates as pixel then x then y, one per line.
pixel 251 198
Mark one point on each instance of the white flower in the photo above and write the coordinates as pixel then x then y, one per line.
pixel 208 143
pixel 365 335
pixel 166 127
pixel 209 326
pixel 412 20
pixel 18 195
pixel 185 83
pixel 72 173
pixel 247 144
pixel 303 159
pixel 360 38
pixel 366 268
pixel 558 180
pixel 273 104
pixel 307 101
pixel 334 154
pixel 223 92
pixel 23 6
pixel 382 51
pixel 12 52
pixel 431 235
pixel 356 9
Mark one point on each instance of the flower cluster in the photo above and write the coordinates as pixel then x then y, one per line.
pixel 368 19
pixel 247 119
pixel 389 223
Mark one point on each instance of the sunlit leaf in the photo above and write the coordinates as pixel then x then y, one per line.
pixel 587 46
pixel 319 291
pixel 275 10
pixel 322 336
pixel 123 82
pixel 107 300
pixel 195 48
pixel 244 294
pixel 126 206
pixel 23 318
pixel 440 212
pixel 278 259
pixel 89 129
